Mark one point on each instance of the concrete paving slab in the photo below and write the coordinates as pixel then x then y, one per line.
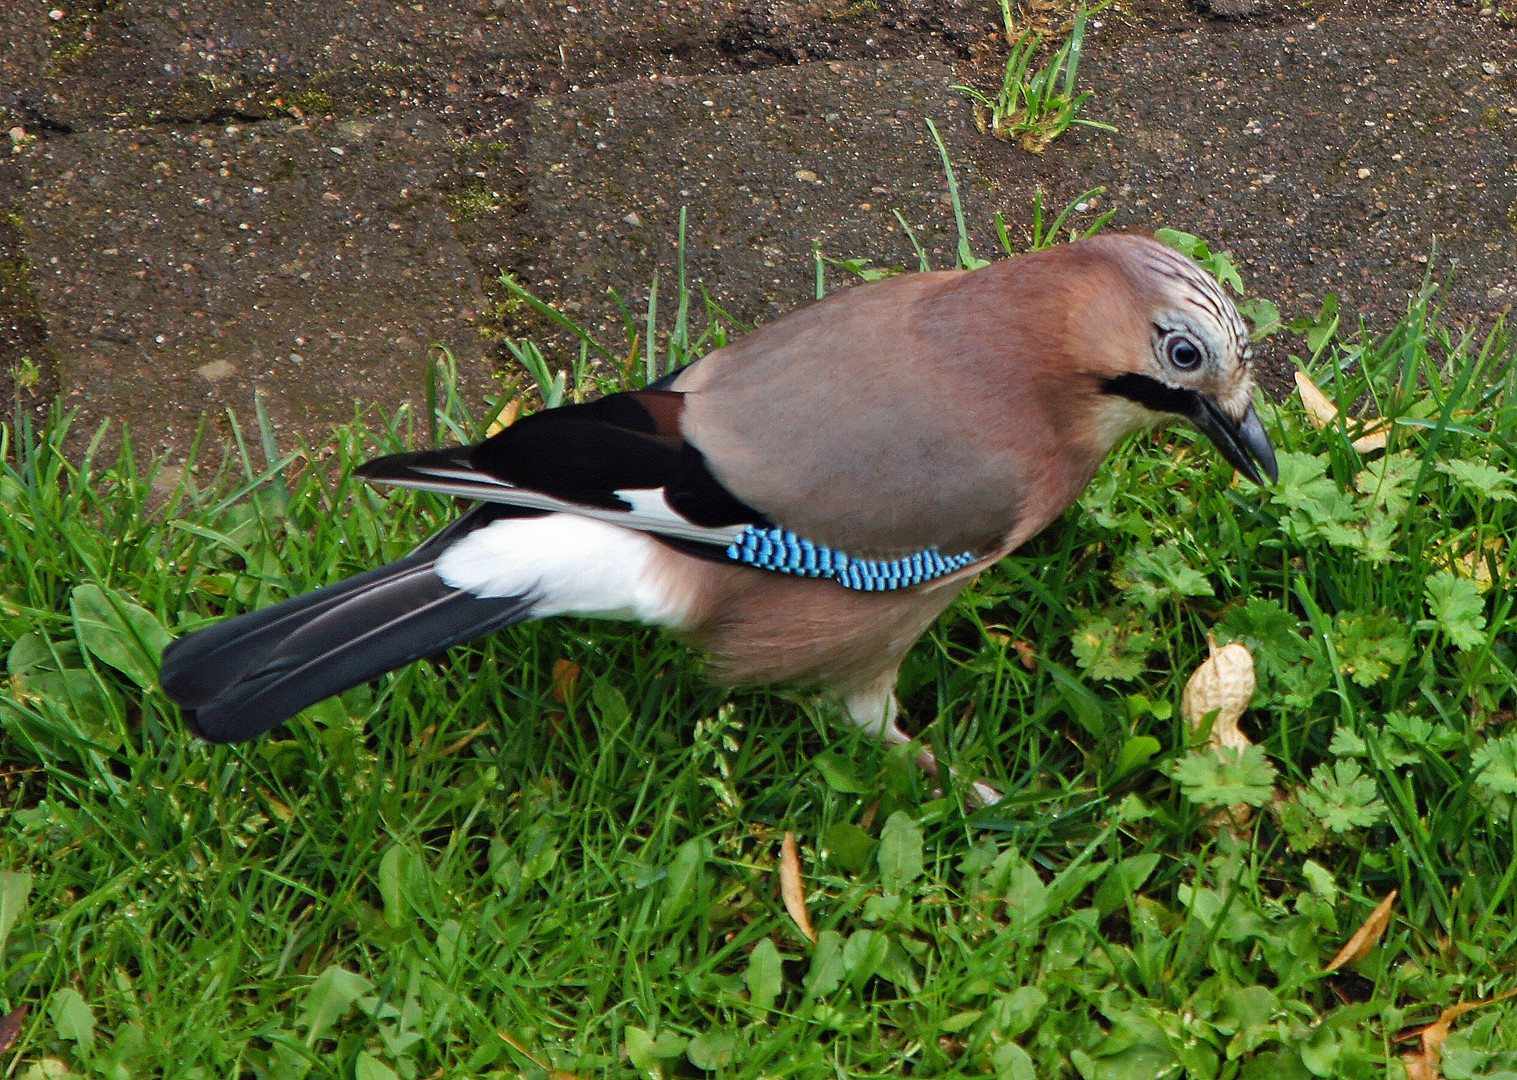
pixel 764 164
pixel 137 61
pixel 181 270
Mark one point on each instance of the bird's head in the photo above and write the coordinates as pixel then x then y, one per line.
pixel 1186 352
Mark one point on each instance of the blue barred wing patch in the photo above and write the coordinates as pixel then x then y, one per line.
pixel 783 551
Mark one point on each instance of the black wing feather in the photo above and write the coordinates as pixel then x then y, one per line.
pixel 584 454
pixel 248 674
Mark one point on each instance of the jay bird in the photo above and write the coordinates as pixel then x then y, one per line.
pixel 799 504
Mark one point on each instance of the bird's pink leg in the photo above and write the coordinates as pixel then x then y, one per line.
pixel 875 710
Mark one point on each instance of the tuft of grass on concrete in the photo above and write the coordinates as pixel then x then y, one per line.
pixel 1036 105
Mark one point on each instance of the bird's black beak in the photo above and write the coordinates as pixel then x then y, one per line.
pixel 1242 442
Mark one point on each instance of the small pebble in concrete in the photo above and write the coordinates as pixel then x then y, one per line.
pixel 216 370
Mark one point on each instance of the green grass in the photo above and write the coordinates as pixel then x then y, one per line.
pixel 470 870
pixel 1036 106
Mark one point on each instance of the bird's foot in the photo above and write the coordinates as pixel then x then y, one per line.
pixel 977 794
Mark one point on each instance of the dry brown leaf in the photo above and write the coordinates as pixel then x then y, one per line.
pixel 505 418
pixel 565 680
pixel 1423 1064
pixel 1021 646
pixel 1475 565
pixel 1367 936
pixel 1323 412
pixel 466 738
pixel 10 1027
pixel 1373 439
pixel 277 808
pixel 633 359
pixel 1418 1067
pixel 870 812
pixel 791 889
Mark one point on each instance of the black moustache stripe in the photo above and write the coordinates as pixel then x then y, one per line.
pixel 1152 394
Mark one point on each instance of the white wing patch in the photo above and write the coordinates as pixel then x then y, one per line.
pixel 650 511
pixel 575 565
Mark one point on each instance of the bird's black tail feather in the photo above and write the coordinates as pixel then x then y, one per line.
pixel 241 677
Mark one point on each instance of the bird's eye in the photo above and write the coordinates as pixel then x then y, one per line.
pixel 1181 351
